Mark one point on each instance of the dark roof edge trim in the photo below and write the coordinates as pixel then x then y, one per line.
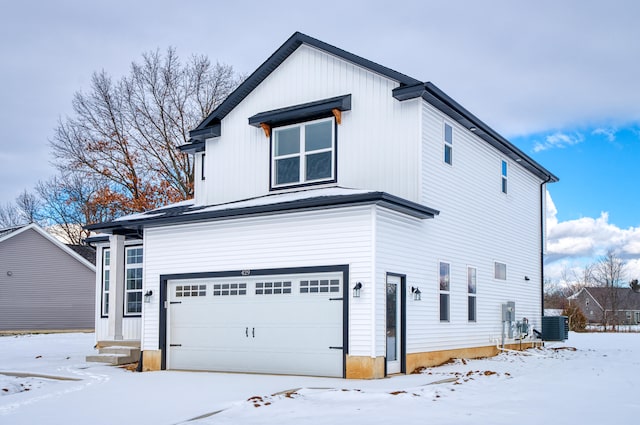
pixel 321 202
pixel 428 91
pixel 302 112
pixel 193 147
pixel 279 56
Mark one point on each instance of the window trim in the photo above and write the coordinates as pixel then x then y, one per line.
pixel 495 270
pixel 444 293
pixel 104 297
pixel 472 295
pixel 125 310
pixel 302 155
pixel 448 145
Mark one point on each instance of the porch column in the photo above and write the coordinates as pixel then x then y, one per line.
pixel 116 287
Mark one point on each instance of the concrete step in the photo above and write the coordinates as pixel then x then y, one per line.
pixel 129 351
pixel 113 359
pixel 116 352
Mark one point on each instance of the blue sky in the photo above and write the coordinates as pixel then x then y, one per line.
pixel 558 79
pixel 599 169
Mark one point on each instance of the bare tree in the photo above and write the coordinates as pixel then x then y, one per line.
pixel 70 201
pixel 124 134
pixel 609 273
pixel 10 216
pixel 28 205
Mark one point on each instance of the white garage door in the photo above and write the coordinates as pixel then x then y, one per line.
pixel 289 324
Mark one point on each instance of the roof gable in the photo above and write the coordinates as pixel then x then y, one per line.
pixel 210 127
pixel 408 88
pixel 5 235
pixel 626 298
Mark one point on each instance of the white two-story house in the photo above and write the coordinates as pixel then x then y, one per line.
pixel 348 221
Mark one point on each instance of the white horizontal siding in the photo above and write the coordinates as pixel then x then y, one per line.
pixel 478 225
pixel 378 140
pixel 319 238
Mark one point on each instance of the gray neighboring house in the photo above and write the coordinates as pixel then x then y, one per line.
pixel 44 284
pixel 620 305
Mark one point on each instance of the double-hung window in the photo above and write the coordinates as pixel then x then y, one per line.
pixel 445 282
pixel 133 281
pixel 303 153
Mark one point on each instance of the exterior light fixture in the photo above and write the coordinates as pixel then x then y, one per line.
pixel 527 278
pixel 147 296
pixel 356 290
pixel 417 295
pixel 472 129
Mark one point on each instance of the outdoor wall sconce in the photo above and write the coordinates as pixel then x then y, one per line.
pixel 527 278
pixel 9 273
pixel 417 295
pixel 356 290
pixel 147 296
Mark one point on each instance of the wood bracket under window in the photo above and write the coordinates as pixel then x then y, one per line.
pixel 267 129
pixel 338 114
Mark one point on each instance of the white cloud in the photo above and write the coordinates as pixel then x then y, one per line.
pixel 572 244
pixel 609 133
pixel 558 140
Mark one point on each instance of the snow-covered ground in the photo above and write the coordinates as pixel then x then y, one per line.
pixel 598 382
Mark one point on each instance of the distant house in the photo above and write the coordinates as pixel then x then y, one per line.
pixel 44 284
pixel 611 306
pixel 348 221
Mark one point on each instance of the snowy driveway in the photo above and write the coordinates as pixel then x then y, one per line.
pixel 597 383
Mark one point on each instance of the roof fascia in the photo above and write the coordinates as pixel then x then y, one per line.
pixel 309 204
pixel 436 97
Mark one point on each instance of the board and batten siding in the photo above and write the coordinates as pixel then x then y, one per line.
pixel 303 239
pixel 42 287
pixel 131 326
pixel 478 225
pixel 378 142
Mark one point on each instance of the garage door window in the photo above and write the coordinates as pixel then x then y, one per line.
pixel 319 286
pixel 191 291
pixel 273 288
pixel 222 289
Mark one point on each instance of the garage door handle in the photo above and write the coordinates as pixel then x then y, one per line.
pixel 335 348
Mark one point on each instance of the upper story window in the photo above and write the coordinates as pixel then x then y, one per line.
pixel 504 176
pixel 448 144
pixel 303 153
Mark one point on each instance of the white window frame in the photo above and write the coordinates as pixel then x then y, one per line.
pixel 106 280
pixel 448 144
pixel 133 266
pixel 444 291
pixel 472 291
pixel 302 155
pixel 497 270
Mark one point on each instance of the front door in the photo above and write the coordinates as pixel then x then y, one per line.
pixel 394 333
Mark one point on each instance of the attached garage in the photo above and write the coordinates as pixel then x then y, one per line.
pixel 262 322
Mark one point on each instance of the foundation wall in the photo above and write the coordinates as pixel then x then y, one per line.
pixel 151 360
